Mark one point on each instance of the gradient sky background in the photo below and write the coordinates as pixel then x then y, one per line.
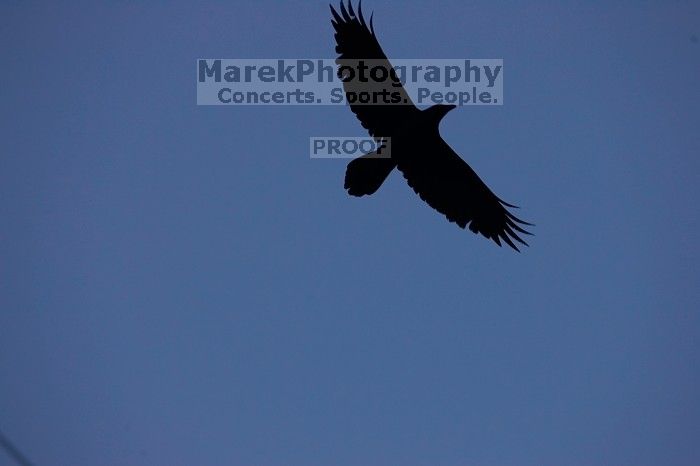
pixel 183 285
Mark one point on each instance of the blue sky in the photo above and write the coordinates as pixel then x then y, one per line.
pixel 183 285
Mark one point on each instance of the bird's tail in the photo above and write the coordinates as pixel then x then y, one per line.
pixel 366 174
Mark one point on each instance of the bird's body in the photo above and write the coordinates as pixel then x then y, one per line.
pixel 430 166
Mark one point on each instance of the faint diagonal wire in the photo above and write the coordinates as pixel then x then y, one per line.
pixel 13 451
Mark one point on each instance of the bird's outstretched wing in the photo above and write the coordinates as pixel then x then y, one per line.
pixel 450 186
pixel 356 40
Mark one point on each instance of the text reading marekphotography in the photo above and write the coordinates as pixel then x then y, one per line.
pixel 278 81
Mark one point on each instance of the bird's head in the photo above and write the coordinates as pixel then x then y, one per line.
pixel 437 112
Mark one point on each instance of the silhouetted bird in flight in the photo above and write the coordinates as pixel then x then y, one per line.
pixel 434 171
